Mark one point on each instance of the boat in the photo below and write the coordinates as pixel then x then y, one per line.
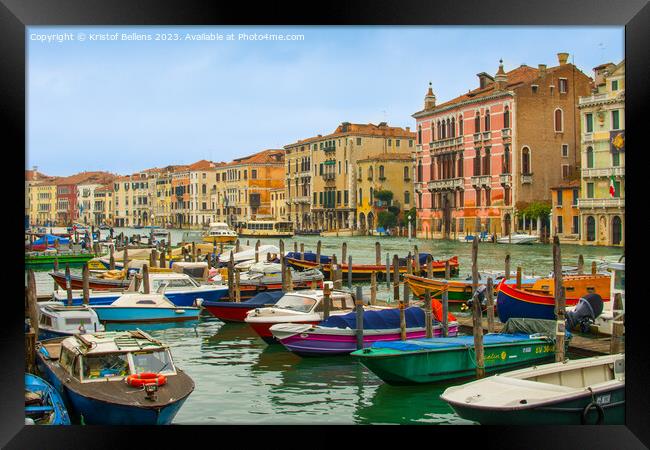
pixel 297 307
pixel 43 404
pixel 484 236
pixel 47 241
pixel 181 290
pixel 56 320
pixel 431 360
pixel 48 258
pixel 266 228
pixel 248 254
pixel 115 378
pixel 236 311
pixel 518 238
pixel 584 391
pixel 308 256
pixel 362 272
pixel 104 227
pixel 135 307
pixel 343 232
pixel 56 231
pixel 538 302
pixel 95 283
pixel 458 291
pixel 219 232
pixel 338 335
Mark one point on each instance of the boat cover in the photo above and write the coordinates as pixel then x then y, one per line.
pixel 532 326
pixel 310 256
pixel 423 260
pixel 452 342
pixel 378 320
pixel 49 240
pixel 263 298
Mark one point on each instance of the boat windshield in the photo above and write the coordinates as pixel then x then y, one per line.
pixel 107 365
pixel 296 303
pixel 157 362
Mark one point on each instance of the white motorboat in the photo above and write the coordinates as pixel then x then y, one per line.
pixel 219 232
pixel 518 238
pixel 249 254
pixel 57 320
pixel 581 391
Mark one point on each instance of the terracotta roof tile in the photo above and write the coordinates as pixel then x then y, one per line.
pixel 270 156
pixel 87 177
pixel 357 129
pixel 202 165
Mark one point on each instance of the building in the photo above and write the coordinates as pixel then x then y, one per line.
pixel 68 198
pixel 602 201
pixel 501 146
pixel 384 172
pixel 244 186
pixel 103 208
pixel 565 212
pixel 298 184
pixel 88 213
pixel 41 199
pixel 333 157
pixel 162 202
pixel 202 183
pixel 279 204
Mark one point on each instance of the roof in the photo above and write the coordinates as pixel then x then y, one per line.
pixel 202 165
pixel 33 175
pixel 567 184
pixel 87 177
pixel 105 188
pixel 358 129
pixel 388 157
pixel 112 341
pixel 270 156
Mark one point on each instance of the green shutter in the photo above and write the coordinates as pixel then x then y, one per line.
pixel 590 123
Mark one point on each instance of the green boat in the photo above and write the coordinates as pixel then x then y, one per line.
pixel 48 259
pixel 582 391
pixel 433 360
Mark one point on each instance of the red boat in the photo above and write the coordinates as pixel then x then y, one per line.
pixel 97 284
pixel 237 311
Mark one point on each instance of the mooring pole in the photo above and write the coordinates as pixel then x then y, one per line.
pixel 416 254
pixel 490 305
pixel 507 266
pixel 581 264
pixel 428 316
pixel 231 278
pixel 358 303
pixel 445 310
pixel 68 284
pixel 326 300
pixel 518 277
pixel 350 272
pixel 302 251
pixel 257 251
pixel 145 279
pixel 373 288
pixel 593 268
pixel 429 267
pixel 560 301
pixel 318 249
pixel 477 318
pixel 396 278
pixel 344 252
pixel 618 326
pixel 85 286
pixel 387 271
pixel 406 291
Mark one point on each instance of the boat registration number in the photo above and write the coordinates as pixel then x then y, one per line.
pixel 544 349
pixel 526 349
pixel 604 399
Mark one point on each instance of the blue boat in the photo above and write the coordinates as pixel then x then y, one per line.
pixel 180 289
pixel 57 320
pixel 43 404
pixel 135 307
pixel 96 373
pixel 309 256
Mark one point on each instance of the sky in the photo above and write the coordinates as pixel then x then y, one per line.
pixel 126 105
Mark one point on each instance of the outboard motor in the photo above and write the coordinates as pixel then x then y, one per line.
pixel 585 313
pixel 480 295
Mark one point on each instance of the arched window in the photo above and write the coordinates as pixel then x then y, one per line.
pixel 460 125
pixel 617 230
pixel 443 130
pixel 525 161
pixel 360 174
pixel 559 126
pixel 591 228
pixel 438 130
pixel 407 197
pixel 381 172
pixel 453 127
pixel 506 160
pixel 448 134
pixel 487 120
pixel 477 122
pixel 590 157
pixel 506 118
pixel 360 196
pixel 370 173
pixel 420 134
pixel 420 170
pixel 406 173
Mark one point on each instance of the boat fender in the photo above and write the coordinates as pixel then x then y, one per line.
pixel 141 379
pixel 599 409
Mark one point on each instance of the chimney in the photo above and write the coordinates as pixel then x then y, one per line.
pixel 501 80
pixel 542 69
pixel 382 124
pixel 429 99
pixel 562 58
pixel 408 129
pixel 484 79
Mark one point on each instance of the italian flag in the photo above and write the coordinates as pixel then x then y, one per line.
pixel 612 189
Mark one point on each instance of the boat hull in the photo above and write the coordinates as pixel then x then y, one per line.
pixel 416 367
pixel 62 259
pixel 120 314
pixel 314 343
pixel 263 329
pixel 458 291
pixel 219 239
pixel 567 412
pixel 177 298
pixel 37 384
pixel 96 284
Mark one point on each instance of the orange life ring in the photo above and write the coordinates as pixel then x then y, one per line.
pixel 140 379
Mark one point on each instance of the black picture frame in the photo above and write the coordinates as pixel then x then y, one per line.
pixel 15 15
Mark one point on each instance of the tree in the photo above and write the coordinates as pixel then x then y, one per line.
pixel 386 220
pixel 383 195
pixel 535 210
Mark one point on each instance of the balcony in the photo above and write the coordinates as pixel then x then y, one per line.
pixel 451 183
pixel 593 98
pixel 587 138
pixel 329 148
pixel 477 137
pixel 481 180
pixel 418 186
pixel 487 135
pixel 526 178
pixel 616 202
pixel 329 176
pixel 604 172
pixel 301 199
pixel 418 147
pixel 506 133
pixel 505 179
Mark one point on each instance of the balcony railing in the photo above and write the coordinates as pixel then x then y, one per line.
pixel 451 183
pixel 481 180
pixel 604 172
pixel 329 176
pixel 477 137
pixel 588 137
pixel 505 178
pixel 616 202
pixel 301 199
pixel 506 133
pixel 329 148
pixel 418 147
pixel 526 178
pixel 487 135
pixel 593 98
pixel 418 186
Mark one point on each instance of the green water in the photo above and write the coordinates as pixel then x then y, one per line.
pixel 242 380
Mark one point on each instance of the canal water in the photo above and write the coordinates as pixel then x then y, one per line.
pixel 241 380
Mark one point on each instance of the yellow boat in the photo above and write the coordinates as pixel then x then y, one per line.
pixel 218 233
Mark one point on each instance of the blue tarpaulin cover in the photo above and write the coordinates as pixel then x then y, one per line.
pixel 453 342
pixel 263 298
pixel 309 256
pixel 378 320
pixel 49 240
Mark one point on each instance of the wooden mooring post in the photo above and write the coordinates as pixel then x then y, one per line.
pixel 358 305
pixel 489 292
pixel 257 251
pixel 145 279
pixel 193 251
pixel 326 300
pixel 85 284
pixel 507 266
pixel 581 264
pixel 32 313
pixel 377 253
pixel 237 287
pixel 56 269
pixel 406 291
pixel 617 344
pixel 477 325
pixel 281 246
pixel 445 310
pixel 125 258
pixel 518 277
pixel 350 272
pixel 428 316
pixel 163 263
pixel 373 287
pixel 344 252
pixel 68 284
pixel 302 251
pixel 318 250
pixel 387 271
pixel 237 246
pixel 396 278
pixel 593 268
pixel 231 278
pixel 429 267
pixel 560 301
pixel 416 255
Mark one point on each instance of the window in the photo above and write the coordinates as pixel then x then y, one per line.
pixel 506 160
pixel 346 196
pixel 419 170
pixel 370 173
pixel 358 141
pixel 617 188
pixel 360 196
pixel 487 120
pixel 590 190
pixel 410 142
pixel 566 171
pixel 506 196
pixel 478 197
pixel 460 165
pixel 339 167
pixel 559 197
pixel 576 225
pixel 590 157
pixel 564 85
pixel 460 125
pixel 559 126
pixel 396 142
pixel 407 197
pixel 381 172
pixel 461 199
pixel 575 198
pixel 477 122
pixel 525 161
pixel 506 118
pixel 590 122
pixel 419 134
pixel 320 198
pixel 314 198
pixel 406 174
pixel 616 159
pixel 389 142
pixel 565 150
pixel 614 85
pixel 486 162
pixel 338 197
pixel 559 224
pixel 615 120
pixel 477 163
pixel 488 199
pixel 534 88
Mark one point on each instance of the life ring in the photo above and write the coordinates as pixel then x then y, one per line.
pixel 141 379
pixel 599 409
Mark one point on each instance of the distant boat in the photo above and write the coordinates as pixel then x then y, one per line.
pixel 248 254
pixel 43 404
pixel 518 238
pixel 583 391
pixel 219 232
pixel 482 237
pixel 115 378
pixel 267 228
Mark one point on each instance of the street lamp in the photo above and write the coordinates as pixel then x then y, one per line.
pixel 410 218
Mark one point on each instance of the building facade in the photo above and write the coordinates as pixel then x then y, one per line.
pixel 42 201
pixel 484 155
pixel 602 201
pixel 298 183
pixel 565 213
pixel 279 205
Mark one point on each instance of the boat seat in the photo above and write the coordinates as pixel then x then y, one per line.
pixel 34 409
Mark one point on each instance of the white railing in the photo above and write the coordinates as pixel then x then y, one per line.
pixel 451 183
pixel 505 178
pixel 481 180
pixel 506 132
pixel 603 172
pixel 487 135
pixel 526 178
pixel 616 202
pixel 593 98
